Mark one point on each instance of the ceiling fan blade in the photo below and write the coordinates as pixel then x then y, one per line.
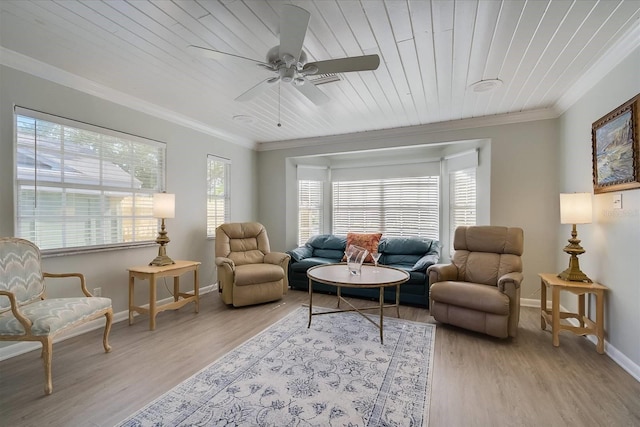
pixel 312 92
pixel 257 89
pixel 345 65
pixel 221 56
pixel 293 28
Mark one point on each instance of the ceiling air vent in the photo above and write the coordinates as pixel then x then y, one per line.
pixel 321 79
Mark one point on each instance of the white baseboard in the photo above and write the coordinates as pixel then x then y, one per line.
pixel 22 347
pixel 616 355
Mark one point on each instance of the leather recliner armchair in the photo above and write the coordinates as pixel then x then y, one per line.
pixel 248 272
pixel 480 289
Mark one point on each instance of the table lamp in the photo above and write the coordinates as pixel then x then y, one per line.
pixel 164 206
pixel 575 208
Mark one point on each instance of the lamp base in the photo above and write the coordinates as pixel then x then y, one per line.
pixel 573 272
pixel 162 260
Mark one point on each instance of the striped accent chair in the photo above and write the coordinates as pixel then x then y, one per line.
pixel 27 315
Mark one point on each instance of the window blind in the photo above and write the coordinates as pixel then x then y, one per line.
pixel 310 206
pixel 218 193
pixel 80 186
pixel 462 197
pixel 396 207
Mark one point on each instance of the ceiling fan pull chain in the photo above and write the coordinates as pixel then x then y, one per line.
pixel 279 87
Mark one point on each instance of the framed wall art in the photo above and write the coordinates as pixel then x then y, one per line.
pixel 616 154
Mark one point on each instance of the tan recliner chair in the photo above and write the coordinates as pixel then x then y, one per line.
pixel 248 272
pixel 480 289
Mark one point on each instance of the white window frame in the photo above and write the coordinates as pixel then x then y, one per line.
pixel 463 203
pixel 213 196
pixel 310 206
pixel 70 192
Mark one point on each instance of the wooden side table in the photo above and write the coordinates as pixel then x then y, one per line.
pixel 152 273
pixel 553 316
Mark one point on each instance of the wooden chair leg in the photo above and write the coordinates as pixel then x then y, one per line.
pixel 47 353
pixel 107 330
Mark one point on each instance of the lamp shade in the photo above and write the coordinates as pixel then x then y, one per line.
pixel 575 208
pixel 164 205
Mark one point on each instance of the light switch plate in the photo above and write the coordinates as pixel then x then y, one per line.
pixel 617 201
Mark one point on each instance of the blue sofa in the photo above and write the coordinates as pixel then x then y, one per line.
pixel 411 254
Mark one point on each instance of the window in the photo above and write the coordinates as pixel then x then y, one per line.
pixel 218 198
pixel 80 186
pixel 462 199
pixel 396 207
pixel 310 206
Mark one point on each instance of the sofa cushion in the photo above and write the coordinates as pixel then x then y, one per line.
pixel 51 315
pixel 327 241
pixel 405 245
pixel 399 260
pixel 369 241
pixel 334 254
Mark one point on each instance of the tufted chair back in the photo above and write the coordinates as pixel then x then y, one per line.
pixel 485 253
pixel 242 242
pixel 20 271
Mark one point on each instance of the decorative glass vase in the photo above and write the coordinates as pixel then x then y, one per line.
pixel 355 257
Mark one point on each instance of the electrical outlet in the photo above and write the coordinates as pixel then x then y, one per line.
pixel 97 292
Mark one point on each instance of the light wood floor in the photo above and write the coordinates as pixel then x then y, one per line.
pixel 477 380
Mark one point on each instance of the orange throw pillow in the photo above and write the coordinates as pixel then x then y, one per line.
pixel 369 241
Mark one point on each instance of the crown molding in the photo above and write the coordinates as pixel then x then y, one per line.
pixel 413 131
pixel 53 74
pixel 627 44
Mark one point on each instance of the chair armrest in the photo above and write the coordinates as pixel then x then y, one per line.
pixel 80 276
pixel 514 277
pixel 26 323
pixel 277 258
pixel 425 262
pixel 301 252
pixel 442 272
pixel 225 263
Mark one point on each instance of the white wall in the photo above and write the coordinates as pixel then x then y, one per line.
pixel 522 180
pixel 186 176
pixel 612 241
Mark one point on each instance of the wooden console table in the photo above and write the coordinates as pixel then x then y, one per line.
pixel 553 316
pixel 152 273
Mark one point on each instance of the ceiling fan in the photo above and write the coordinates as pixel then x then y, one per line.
pixel 289 62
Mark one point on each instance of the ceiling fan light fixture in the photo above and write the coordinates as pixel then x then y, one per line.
pixel 486 85
pixel 287 74
pixel 298 81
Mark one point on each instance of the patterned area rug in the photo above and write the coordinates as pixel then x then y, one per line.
pixel 335 373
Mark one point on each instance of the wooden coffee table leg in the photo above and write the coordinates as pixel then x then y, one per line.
pixel 381 313
pixel 310 302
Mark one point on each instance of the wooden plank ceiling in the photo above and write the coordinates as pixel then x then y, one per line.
pixel 431 52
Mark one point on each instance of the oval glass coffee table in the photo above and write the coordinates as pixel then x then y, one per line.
pixel 370 277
